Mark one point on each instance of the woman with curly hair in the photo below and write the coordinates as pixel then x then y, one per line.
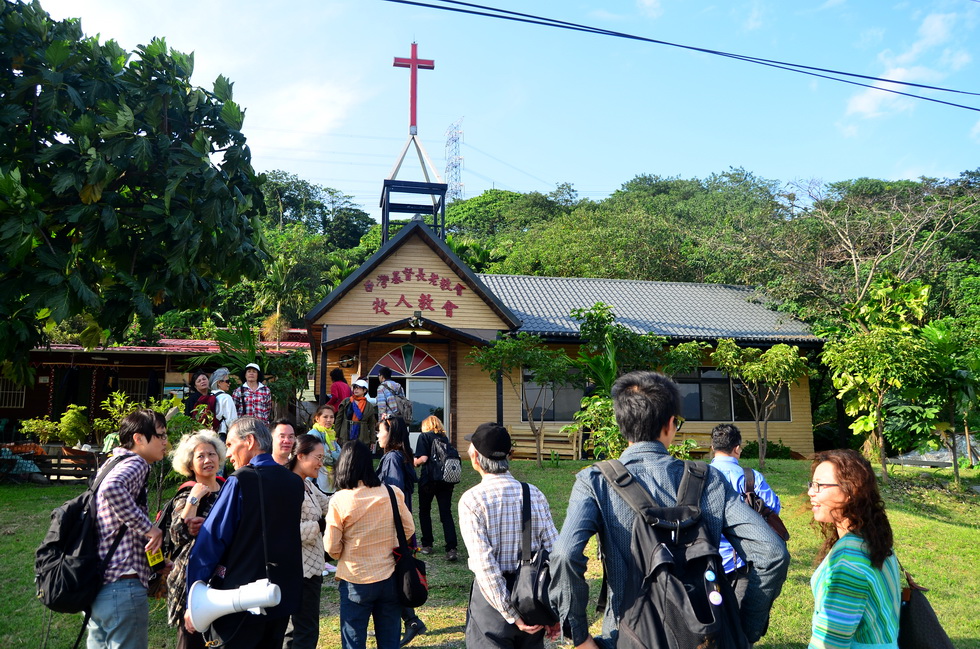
pixel 199 456
pixel 856 587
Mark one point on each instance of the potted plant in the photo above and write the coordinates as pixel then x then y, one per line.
pixel 42 428
pixel 73 429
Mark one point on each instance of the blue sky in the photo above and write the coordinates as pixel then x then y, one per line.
pixel 541 106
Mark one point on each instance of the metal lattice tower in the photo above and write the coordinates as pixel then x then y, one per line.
pixel 454 161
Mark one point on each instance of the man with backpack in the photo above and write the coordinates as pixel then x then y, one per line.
pixel 391 395
pixel 726 442
pixel 647 405
pixel 120 613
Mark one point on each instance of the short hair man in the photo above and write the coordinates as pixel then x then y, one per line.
pixel 120 613
pixel 283 440
pixel 646 405
pixel 490 522
pixel 254 521
pixel 726 441
pixel 387 390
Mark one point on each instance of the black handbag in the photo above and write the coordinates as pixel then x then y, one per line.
pixel 918 626
pixel 410 581
pixel 530 592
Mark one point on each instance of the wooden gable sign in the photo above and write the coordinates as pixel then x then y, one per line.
pixel 414 272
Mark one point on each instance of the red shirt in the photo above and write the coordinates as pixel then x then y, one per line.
pixel 339 390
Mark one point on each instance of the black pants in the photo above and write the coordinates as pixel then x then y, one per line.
pixel 443 494
pixel 487 629
pixel 247 631
pixel 304 625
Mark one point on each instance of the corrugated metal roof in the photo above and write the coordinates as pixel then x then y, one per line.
pixel 672 309
pixel 177 346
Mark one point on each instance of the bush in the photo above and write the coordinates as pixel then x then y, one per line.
pixel 774 450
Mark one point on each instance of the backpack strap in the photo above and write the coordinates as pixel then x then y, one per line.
pixel 692 484
pixel 526 524
pixel 749 480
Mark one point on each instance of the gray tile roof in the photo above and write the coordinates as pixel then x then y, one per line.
pixel 675 310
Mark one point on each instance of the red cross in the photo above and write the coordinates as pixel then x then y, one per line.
pixel 414 64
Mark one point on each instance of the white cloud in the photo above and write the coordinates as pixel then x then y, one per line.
pixel 871 37
pixel 650 8
pixel 975 132
pixel 875 103
pixel 830 3
pixel 955 59
pixel 847 130
pixel 934 31
pixel 754 20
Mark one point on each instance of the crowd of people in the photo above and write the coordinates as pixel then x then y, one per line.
pixel 295 505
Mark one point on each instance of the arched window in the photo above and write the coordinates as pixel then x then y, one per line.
pixel 410 361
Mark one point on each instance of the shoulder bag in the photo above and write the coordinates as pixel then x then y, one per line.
pixel 410 581
pixel 918 626
pixel 530 592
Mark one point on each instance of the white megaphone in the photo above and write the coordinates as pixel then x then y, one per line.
pixel 208 604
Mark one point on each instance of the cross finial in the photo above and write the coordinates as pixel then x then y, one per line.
pixel 414 64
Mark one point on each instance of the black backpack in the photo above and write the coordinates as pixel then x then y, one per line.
pixel 67 567
pixel 165 519
pixel 753 500
pixel 444 462
pixel 676 594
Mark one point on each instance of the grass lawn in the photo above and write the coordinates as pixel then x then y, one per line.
pixel 936 531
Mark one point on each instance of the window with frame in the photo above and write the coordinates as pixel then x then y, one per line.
pixel 136 389
pixel 708 394
pixel 11 394
pixel 566 403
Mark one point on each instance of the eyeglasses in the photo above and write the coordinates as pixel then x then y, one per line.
pixel 678 422
pixel 817 487
pixel 318 458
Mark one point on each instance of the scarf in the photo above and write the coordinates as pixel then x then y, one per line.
pixel 357 407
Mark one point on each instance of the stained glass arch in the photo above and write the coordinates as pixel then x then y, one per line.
pixel 409 360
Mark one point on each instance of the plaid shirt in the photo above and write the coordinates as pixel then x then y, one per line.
pixel 386 398
pixel 122 499
pixel 490 521
pixel 254 403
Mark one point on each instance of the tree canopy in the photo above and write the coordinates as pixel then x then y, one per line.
pixel 122 185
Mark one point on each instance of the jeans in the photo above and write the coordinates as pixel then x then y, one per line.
pixel 360 602
pixel 304 625
pixel 443 493
pixel 120 617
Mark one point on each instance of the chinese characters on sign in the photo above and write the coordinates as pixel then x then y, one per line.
pixel 427 284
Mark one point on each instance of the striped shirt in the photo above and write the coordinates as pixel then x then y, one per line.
pixel 855 604
pixel 490 522
pixel 122 499
pixel 361 533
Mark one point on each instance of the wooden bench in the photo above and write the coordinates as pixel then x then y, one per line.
pixel 67 463
pixel 932 464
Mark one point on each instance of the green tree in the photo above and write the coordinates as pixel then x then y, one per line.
pixel 878 353
pixel 122 186
pixel 512 358
pixel 762 376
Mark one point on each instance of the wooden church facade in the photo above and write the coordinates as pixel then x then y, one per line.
pixel 417 308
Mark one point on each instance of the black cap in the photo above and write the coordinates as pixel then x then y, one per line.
pixel 491 440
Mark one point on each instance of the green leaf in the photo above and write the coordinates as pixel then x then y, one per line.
pixel 233 115
pixel 57 53
pixel 223 88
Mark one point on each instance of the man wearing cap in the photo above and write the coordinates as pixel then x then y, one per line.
pixel 253 398
pixel 225 411
pixel 357 417
pixel 647 407
pixel 490 522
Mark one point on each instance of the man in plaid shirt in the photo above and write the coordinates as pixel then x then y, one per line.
pixel 490 522
pixel 120 613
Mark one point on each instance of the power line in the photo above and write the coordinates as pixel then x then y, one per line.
pixel 783 65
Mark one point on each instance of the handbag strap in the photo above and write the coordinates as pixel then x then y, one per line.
pixel 399 529
pixel 526 524
pixel 265 542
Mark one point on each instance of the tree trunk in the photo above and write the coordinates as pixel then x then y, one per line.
pixel 880 434
pixel 538 441
pixel 761 438
pixel 952 431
